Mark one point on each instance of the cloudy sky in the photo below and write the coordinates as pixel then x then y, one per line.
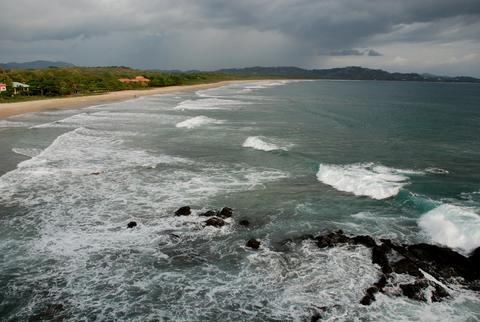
pixel 434 36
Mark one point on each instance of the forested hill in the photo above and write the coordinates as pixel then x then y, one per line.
pixel 352 73
pixel 64 81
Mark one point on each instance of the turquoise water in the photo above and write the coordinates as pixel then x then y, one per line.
pixel 392 159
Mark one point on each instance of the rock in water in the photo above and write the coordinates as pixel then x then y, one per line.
pixel 417 291
pixel 244 222
pixel 364 240
pixel 131 224
pixel 226 212
pixel 209 213
pixel 183 211
pixel 215 222
pixel 369 296
pixel 253 243
pixel 379 256
pixel 405 266
pixel 475 260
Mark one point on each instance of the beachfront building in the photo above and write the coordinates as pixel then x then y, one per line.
pixel 137 79
pixel 17 87
pixel 3 87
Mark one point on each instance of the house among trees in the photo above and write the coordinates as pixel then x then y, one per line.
pixel 137 79
pixel 17 87
pixel 3 87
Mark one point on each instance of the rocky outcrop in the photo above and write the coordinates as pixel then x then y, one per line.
pixel 244 222
pixel 215 222
pixel 418 291
pixel 226 213
pixel 443 263
pixel 131 224
pixel 209 213
pixel 183 211
pixel 253 243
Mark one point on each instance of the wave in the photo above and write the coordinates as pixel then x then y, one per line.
pixel 364 179
pixel 238 88
pixel 28 152
pixel 452 226
pixel 208 104
pixel 433 170
pixel 261 143
pixel 6 123
pixel 197 121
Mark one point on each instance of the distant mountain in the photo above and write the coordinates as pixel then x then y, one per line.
pixel 36 64
pixel 352 73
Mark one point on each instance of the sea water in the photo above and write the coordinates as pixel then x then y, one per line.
pixel 398 160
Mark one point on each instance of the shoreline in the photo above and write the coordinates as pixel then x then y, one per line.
pixel 17 108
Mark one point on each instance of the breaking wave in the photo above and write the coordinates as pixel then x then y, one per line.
pixel 364 179
pixel 197 121
pixel 452 226
pixel 261 143
pixel 208 104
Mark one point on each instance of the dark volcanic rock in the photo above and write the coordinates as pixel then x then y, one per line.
pixel 475 259
pixel 215 222
pixel 183 211
pixel 131 224
pixel 332 239
pixel 209 213
pixel 405 266
pixel 253 243
pixel 441 261
pixel 369 296
pixel 379 256
pixel 380 284
pixel 226 213
pixel 366 241
pixel 417 290
pixel 370 292
pixel 439 293
pixel 244 222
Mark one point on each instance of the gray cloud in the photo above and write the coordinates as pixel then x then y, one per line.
pixel 232 33
pixel 353 52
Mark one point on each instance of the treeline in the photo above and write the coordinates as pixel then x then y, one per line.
pixel 63 81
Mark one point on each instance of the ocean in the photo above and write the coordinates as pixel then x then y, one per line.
pixel 397 160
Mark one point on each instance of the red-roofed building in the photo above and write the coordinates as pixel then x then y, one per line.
pixel 125 80
pixel 141 79
pixel 134 80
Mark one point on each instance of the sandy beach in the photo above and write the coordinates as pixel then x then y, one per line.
pixel 9 109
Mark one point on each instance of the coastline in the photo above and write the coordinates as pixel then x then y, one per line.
pixel 16 108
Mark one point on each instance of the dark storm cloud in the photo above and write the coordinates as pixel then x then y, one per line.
pixel 333 24
pixel 353 52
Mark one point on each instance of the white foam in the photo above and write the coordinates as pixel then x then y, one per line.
pixel 28 152
pixel 208 104
pixel 105 119
pixel 363 179
pixel 7 123
pixel 452 226
pixel 197 121
pixel 262 143
pixel 437 171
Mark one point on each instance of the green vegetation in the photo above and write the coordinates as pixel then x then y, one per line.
pixel 65 81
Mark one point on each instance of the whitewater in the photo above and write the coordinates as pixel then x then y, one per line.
pixel 291 158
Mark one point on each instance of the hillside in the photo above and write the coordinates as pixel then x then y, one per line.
pixel 352 72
